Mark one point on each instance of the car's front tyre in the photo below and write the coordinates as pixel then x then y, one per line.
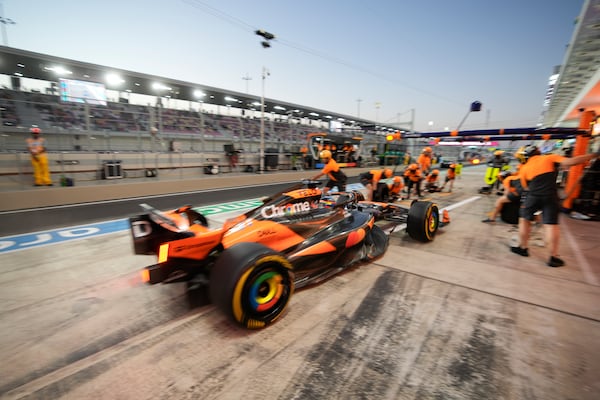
pixel 423 221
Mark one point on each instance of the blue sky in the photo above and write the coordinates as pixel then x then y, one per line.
pixel 433 56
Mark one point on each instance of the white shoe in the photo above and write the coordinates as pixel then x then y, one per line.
pixel 578 215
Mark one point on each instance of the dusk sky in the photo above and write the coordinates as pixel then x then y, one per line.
pixel 433 56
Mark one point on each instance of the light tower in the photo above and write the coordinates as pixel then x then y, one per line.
pixel 4 22
pixel 265 44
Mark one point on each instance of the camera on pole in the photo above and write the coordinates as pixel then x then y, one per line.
pixel 265 34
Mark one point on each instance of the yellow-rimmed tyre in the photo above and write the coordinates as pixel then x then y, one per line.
pixel 252 284
pixel 423 221
pixel 510 212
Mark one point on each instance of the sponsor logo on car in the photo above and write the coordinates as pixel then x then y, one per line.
pixel 274 211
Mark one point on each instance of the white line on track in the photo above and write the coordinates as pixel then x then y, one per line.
pixel 461 203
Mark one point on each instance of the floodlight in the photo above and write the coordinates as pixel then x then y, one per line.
pixel 114 79
pixel 160 86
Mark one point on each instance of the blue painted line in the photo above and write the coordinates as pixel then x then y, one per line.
pixel 55 236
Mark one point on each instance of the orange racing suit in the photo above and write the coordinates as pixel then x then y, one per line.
pixel 538 178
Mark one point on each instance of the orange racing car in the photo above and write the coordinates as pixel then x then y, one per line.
pixel 254 262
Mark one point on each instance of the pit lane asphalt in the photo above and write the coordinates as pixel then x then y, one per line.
pixel 461 317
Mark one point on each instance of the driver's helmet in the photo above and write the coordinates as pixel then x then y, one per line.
pixel 35 130
pixel 327 202
pixel 358 196
pixel 325 154
pixel 498 153
pixel 387 173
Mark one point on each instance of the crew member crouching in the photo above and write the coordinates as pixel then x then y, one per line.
pixel 431 181
pixel 370 180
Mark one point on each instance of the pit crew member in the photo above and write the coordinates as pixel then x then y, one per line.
pixel 336 176
pixel 538 178
pixel 371 179
pixel 413 178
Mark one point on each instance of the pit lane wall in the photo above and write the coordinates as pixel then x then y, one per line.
pixel 92 168
pixel 19 163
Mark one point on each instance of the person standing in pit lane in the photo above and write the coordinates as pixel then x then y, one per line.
pixel 538 179
pixel 36 145
pixel 333 171
pixel 424 160
pixel 413 177
pixel 497 165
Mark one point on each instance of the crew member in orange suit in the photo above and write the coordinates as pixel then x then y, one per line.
pixel 333 171
pixel 371 179
pixel 413 177
pixel 431 181
pixel 512 193
pixel 450 176
pixel 39 160
pixel 424 160
pixel 538 178
pixel 395 188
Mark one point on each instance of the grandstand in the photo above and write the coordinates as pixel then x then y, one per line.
pixel 20 110
pixel 144 128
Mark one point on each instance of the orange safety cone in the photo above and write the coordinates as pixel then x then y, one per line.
pixel 445 220
pixel 445 217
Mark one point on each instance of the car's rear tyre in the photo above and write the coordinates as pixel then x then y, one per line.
pixel 423 221
pixel 252 284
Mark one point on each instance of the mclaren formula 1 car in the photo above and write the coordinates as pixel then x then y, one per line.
pixel 253 263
